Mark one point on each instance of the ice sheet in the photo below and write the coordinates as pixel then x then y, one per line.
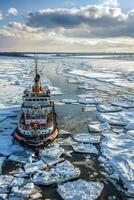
pixel 86 138
pixel 80 189
pixel 85 148
pixel 61 172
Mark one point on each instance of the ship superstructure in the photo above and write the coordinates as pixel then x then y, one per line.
pixel 37 124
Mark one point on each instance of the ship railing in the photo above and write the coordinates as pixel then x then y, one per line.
pixel 30 127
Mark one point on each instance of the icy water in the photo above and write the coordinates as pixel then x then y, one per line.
pixel 108 86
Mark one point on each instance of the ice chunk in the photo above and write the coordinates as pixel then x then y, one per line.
pixel 2 117
pixel 5 181
pixel 89 108
pixel 130 126
pixel 89 101
pixel 52 155
pixel 86 138
pixel 36 196
pixel 20 173
pixel 118 149
pixel 2 159
pixel 118 130
pixel 85 87
pixel 69 101
pixel 31 168
pixel 113 118
pixel 86 96
pixel 52 152
pixel 123 104
pixel 80 189
pixel 85 148
pixel 17 182
pixel 124 166
pixel 75 80
pixel 5 145
pixel 18 159
pixel 131 133
pixel 64 132
pixel 98 127
pixel 108 108
pixel 63 171
pixel 66 142
pixel 24 191
pixel 55 91
pixel 3 196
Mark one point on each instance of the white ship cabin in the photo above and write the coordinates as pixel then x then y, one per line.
pixel 29 101
pixel 36 115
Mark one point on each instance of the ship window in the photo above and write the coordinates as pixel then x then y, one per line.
pixel 33 99
pixel 45 99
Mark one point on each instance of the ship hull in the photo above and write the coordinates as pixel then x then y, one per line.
pixel 35 142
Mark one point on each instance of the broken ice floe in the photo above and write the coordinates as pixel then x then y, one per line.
pixel 5 181
pixel 2 159
pixel 17 182
pixel 6 144
pixel 53 152
pixel 118 150
pixel 74 80
pixel 130 126
pixel 89 101
pixel 69 101
pixel 98 127
pixel 18 159
pixel 85 148
pixel 85 87
pixel 31 168
pixel 108 108
pixel 63 132
pixel 89 108
pixel 113 118
pixel 86 96
pixel 52 155
pixel 80 189
pixel 130 132
pixel 121 118
pixel 55 91
pixel 66 141
pixel 86 138
pixel 25 191
pixel 63 171
pixel 123 104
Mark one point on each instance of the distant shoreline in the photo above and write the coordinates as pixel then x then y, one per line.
pixel 28 54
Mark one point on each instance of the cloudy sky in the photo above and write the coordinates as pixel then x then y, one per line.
pixel 67 25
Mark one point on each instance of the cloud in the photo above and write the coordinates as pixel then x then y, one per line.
pixel 1 16
pixel 96 15
pixel 92 21
pixel 114 3
pixel 88 28
pixel 12 11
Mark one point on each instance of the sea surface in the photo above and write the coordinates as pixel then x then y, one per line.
pixel 108 82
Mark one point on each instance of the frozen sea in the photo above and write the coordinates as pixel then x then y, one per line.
pixel 94 98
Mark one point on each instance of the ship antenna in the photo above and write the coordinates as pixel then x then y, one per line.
pixel 36 66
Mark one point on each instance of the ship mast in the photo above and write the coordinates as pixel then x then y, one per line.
pixel 36 67
pixel 37 84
